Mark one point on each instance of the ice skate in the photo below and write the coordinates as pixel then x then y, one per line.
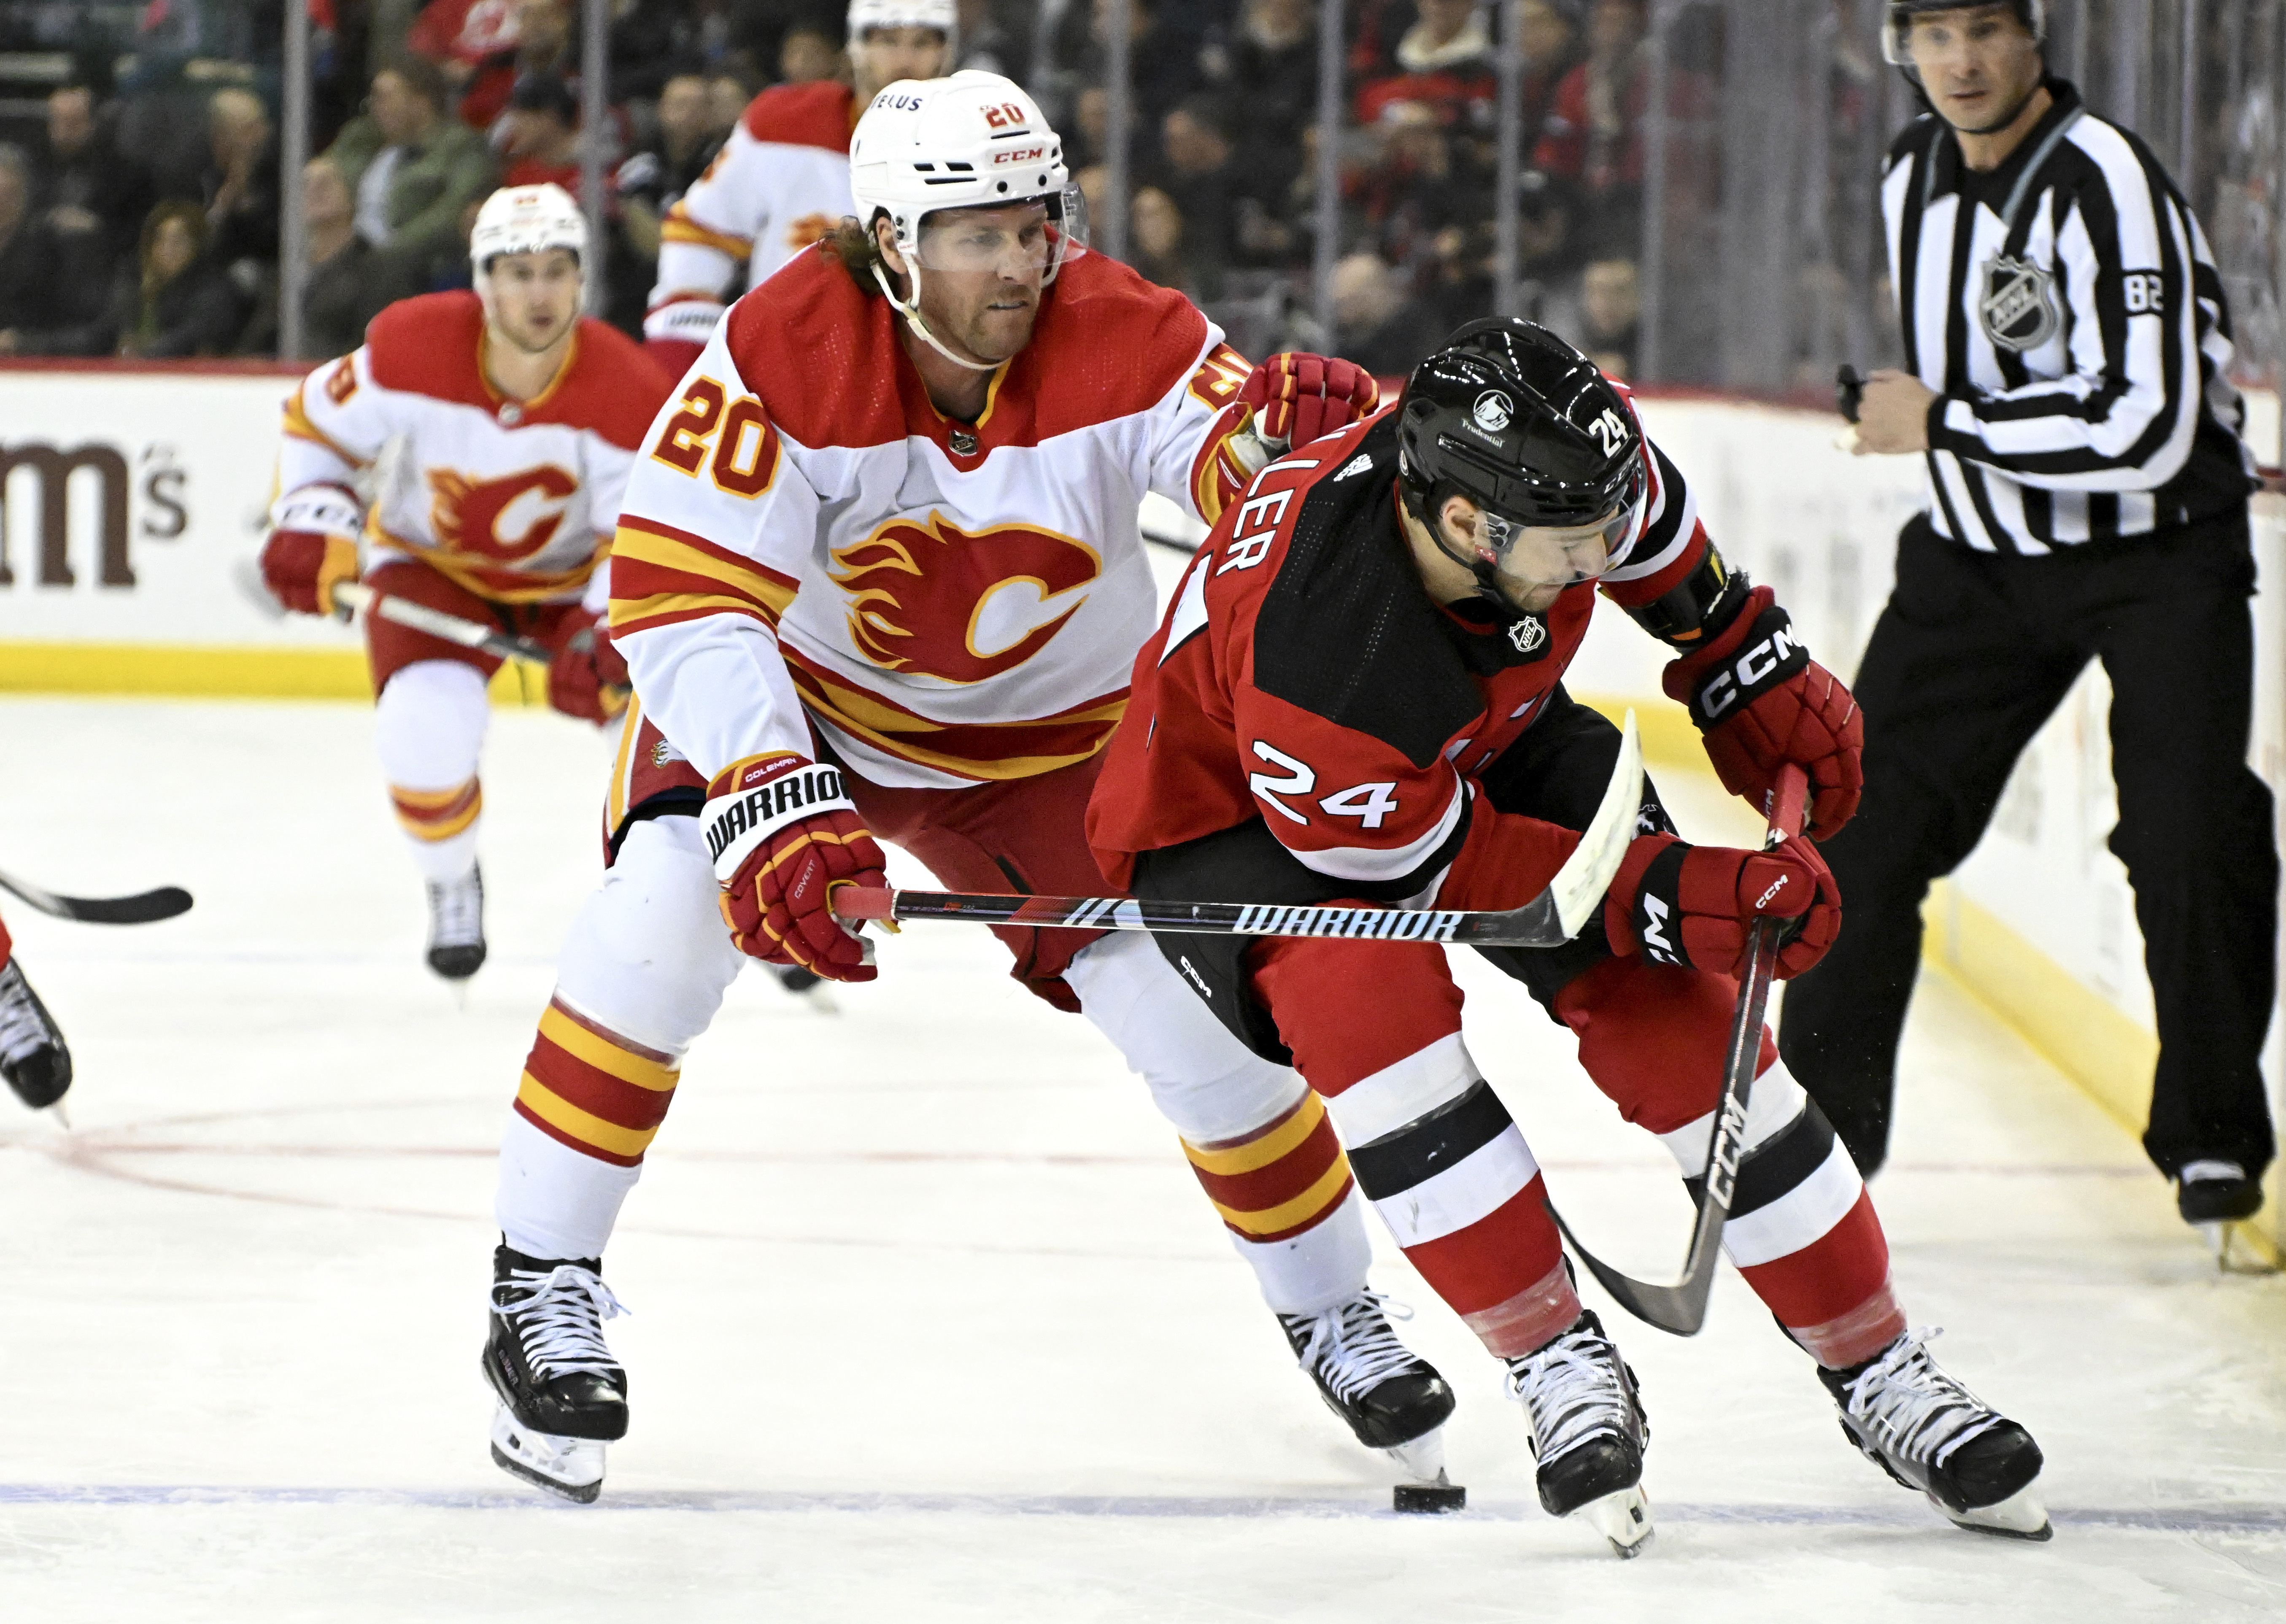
pixel 1392 1398
pixel 1930 1433
pixel 2212 1197
pixel 33 1054
pixel 1589 1432
pixel 456 925
pixel 562 1395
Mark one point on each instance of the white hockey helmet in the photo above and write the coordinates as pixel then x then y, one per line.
pixel 974 140
pixel 527 220
pixel 942 15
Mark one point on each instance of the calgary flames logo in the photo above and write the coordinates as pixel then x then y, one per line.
pixel 507 519
pixel 928 598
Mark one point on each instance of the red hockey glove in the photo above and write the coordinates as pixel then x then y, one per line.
pixel 1692 906
pixel 784 837
pixel 312 547
pixel 1298 397
pixel 588 678
pixel 1760 702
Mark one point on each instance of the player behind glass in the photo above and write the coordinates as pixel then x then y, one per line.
pixel 1356 696
pixel 517 418
pixel 879 570
pixel 782 179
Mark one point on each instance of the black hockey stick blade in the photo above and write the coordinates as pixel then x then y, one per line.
pixel 144 908
pixel 1680 1308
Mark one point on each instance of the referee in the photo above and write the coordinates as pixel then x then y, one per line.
pixel 2066 337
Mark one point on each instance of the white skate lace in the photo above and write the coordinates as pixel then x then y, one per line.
pixel 22 1028
pixel 1350 1347
pixel 1574 1391
pixel 1912 1408
pixel 456 911
pixel 559 1319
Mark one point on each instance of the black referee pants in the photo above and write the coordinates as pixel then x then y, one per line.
pixel 1975 650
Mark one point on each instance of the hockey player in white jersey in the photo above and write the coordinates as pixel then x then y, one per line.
pixel 782 180
pixel 879 572
pixel 518 419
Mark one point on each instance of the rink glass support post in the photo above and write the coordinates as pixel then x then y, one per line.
pixel 1508 247
pixel 293 157
pixel 1650 270
pixel 1118 123
pixel 595 116
pixel 1328 248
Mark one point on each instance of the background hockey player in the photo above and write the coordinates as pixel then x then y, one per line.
pixel 518 419
pixel 879 570
pixel 34 1057
pixel 782 180
pixel 2066 342
pixel 1356 697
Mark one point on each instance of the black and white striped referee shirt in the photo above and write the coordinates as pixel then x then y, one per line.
pixel 2068 308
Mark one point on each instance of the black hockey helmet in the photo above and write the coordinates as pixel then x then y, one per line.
pixel 1522 424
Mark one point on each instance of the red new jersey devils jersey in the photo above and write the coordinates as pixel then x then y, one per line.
pixel 1304 676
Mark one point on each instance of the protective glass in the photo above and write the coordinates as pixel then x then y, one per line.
pixel 1532 556
pixel 1014 240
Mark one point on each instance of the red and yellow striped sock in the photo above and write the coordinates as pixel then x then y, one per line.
pixel 437 814
pixel 1278 1181
pixel 601 1094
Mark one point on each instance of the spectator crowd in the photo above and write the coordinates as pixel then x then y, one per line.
pixel 141 216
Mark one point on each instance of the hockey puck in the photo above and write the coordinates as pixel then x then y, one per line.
pixel 1430 1499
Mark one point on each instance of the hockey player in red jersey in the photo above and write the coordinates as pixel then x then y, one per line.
pixel 879 573
pixel 1356 696
pixel 782 180
pixel 518 419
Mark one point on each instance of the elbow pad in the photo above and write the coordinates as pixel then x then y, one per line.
pixel 1699 608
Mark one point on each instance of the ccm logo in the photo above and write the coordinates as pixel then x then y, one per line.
pixel 1023 154
pixel 1777 886
pixel 1739 679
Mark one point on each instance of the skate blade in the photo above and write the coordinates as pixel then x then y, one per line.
pixel 2231 1255
pixel 63 1117
pixel 1423 1459
pixel 1624 1518
pixel 571 1467
pixel 2020 1517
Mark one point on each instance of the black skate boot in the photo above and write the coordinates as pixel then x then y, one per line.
pixel 1392 1398
pixel 1589 1432
pixel 1932 1434
pixel 562 1395
pixel 33 1056
pixel 456 925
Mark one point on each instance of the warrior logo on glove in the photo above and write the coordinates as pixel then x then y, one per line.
pixel 784 837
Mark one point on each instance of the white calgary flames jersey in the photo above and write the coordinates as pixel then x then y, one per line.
pixel 779 184
pixel 514 500
pixel 950 605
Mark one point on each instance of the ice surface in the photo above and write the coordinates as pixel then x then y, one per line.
pixel 931 1321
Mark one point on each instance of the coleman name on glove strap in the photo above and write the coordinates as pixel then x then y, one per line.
pixel 764 797
pixel 1766 656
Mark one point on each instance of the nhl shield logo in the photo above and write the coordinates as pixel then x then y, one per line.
pixel 1527 633
pixel 2018 310
pixel 1492 412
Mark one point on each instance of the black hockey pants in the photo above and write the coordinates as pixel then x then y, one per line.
pixel 1972 654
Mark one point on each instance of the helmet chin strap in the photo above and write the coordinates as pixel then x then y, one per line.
pixel 912 314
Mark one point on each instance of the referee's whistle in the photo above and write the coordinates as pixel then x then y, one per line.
pixel 1848 391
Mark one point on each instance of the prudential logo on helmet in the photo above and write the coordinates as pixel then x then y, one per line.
pixel 1494 412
